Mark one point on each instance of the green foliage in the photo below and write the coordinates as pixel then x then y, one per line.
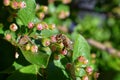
pixel 80 47
pixel 28 72
pixel 27 14
pixel 40 58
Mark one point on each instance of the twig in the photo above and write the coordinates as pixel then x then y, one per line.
pixel 103 47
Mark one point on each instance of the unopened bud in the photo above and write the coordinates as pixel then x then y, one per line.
pixel 53 39
pixel 85 78
pixel 45 25
pixel 64 52
pixel 62 15
pixel 6 2
pixel 14 4
pixel 45 8
pixel 41 15
pixel 67 13
pixel 34 48
pixel 81 59
pixel 22 4
pixel 46 42
pixel 61 45
pixel 85 61
pixel 39 26
pixel 30 25
pixel 89 70
pixel 27 47
pixel 8 37
pixel 13 27
pixel 66 1
pixel 52 26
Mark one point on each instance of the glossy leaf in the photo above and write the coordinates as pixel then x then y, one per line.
pixel 81 47
pixel 48 33
pixel 62 8
pixel 27 14
pixel 40 58
pixel 25 73
pixel 81 72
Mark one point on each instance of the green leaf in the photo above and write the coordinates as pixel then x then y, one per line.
pixel 54 71
pixel 81 47
pixel 25 73
pixel 52 19
pixel 27 14
pixel 1 29
pixel 48 33
pixel 52 8
pixel 12 68
pixel 62 8
pixel 40 58
pixel 81 72
pixel 117 76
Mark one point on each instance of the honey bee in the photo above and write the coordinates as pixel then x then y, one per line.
pixel 65 40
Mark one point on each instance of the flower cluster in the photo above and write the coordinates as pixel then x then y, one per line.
pixel 14 4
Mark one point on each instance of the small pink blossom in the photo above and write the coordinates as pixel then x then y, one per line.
pixel 39 27
pixel 30 25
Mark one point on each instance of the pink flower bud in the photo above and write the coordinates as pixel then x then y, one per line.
pixel 89 70
pixel 39 26
pixel 34 48
pixel 85 78
pixel 6 2
pixel 53 39
pixel 14 5
pixel 81 59
pixel 41 15
pixel 47 43
pixel 13 27
pixel 30 25
pixel 22 4
pixel 64 52
pixel 8 37
pixel 66 1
